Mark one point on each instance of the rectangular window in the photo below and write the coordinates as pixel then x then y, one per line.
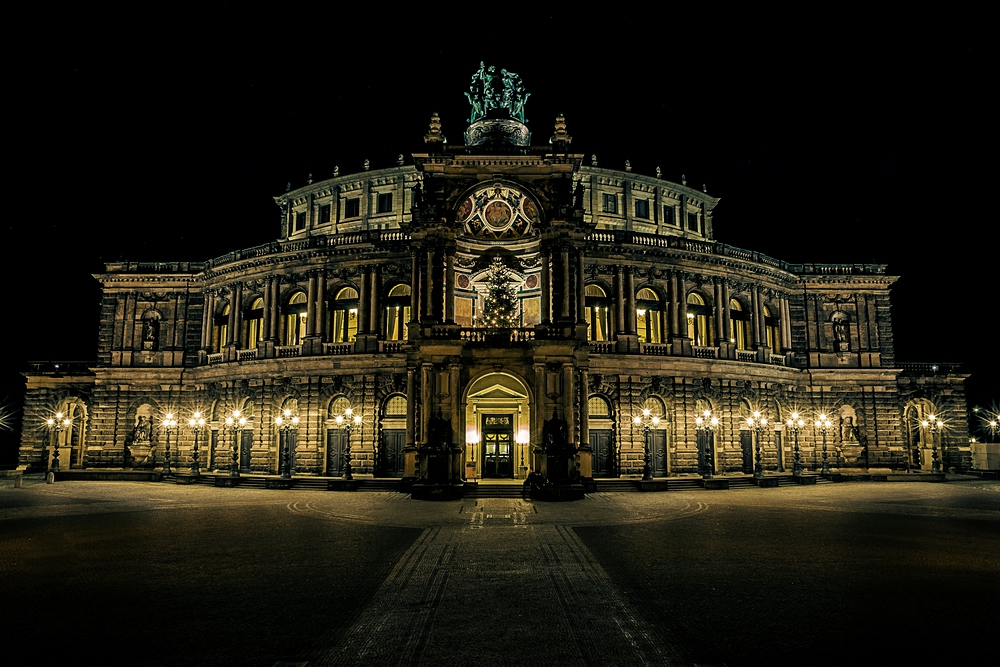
pixel 324 214
pixel 609 203
pixel 384 204
pixel 642 208
pixel 693 222
pixel 353 208
pixel 668 215
pixel 300 221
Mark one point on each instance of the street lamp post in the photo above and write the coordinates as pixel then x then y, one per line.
pixel 758 424
pixel 235 424
pixel 523 438
pixel 823 425
pixel 197 422
pixel 347 422
pixel 57 425
pixel 934 424
pixel 795 424
pixel 645 420
pixel 169 424
pixel 706 425
pixel 285 423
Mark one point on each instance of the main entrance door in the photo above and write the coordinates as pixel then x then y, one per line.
pixel 498 446
pixel 600 445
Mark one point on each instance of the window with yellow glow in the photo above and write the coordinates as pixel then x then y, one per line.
pixel 739 325
pixel 295 320
pixel 598 313
pixel 220 329
pixel 397 312
pixel 772 329
pixel 647 316
pixel 344 316
pixel 253 324
pixel 699 320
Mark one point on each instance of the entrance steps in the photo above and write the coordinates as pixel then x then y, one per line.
pixel 494 490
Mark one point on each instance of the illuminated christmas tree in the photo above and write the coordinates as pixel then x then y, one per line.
pixel 500 306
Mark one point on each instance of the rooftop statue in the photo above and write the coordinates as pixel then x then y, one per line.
pixel 504 93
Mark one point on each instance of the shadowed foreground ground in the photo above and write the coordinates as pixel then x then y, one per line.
pixel 157 574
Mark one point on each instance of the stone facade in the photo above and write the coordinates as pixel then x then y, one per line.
pixel 371 296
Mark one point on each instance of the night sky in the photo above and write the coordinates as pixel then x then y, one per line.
pixel 161 137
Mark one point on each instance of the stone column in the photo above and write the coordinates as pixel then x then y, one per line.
pixel 620 300
pixel 410 451
pixel 416 302
pixel 581 289
pixel 311 305
pixel 207 320
pixel 566 292
pixel 233 307
pixel 265 332
pixel 720 310
pixel 630 301
pixel 786 325
pixel 756 328
pixel 374 307
pixel 320 314
pixel 449 277
pixel 430 287
pixel 273 333
pixel 546 294
pixel 364 302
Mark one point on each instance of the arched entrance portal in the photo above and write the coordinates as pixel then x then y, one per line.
pixel 498 428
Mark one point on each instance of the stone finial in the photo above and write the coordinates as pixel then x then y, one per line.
pixel 434 135
pixel 288 186
pixel 399 159
pixel 336 172
pixel 659 173
pixel 684 179
pixel 628 166
pixel 704 188
pixel 593 160
pixel 309 179
pixel 367 164
pixel 561 135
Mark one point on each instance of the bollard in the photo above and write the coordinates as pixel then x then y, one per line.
pixel 17 481
pixel 50 477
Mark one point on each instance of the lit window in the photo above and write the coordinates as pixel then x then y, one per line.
pixel 772 330
pixel 642 208
pixel 344 316
pixel 609 203
pixel 397 312
pixel 597 313
pixel 384 203
pixel 739 325
pixel 220 328
pixel 699 321
pixel 295 319
pixel 352 208
pixel 647 316
pixel 253 324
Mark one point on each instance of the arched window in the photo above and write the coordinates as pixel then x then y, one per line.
pixel 739 325
pixel 395 406
pixel 699 320
pixel 772 331
pixel 253 323
pixel 344 316
pixel 598 408
pixel 339 406
pixel 647 316
pixel 598 313
pixel 397 312
pixel 295 319
pixel 656 409
pixel 220 328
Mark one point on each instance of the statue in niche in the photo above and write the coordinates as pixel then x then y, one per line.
pixel 143 430
pixel 848 429
pixel 150 333
pixel 840 342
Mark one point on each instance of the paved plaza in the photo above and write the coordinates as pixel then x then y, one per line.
pixel 123 573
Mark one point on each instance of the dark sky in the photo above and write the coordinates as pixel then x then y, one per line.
pixel 829 139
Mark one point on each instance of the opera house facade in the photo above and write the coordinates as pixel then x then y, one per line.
pixel 495 309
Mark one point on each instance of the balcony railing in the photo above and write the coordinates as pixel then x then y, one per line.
pixel 216 358
pixel 705 352
pixel 338 348
pixel 287 351
pixel 746 355
pixel 246 355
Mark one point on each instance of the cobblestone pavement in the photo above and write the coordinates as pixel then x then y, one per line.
pixel 160 574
